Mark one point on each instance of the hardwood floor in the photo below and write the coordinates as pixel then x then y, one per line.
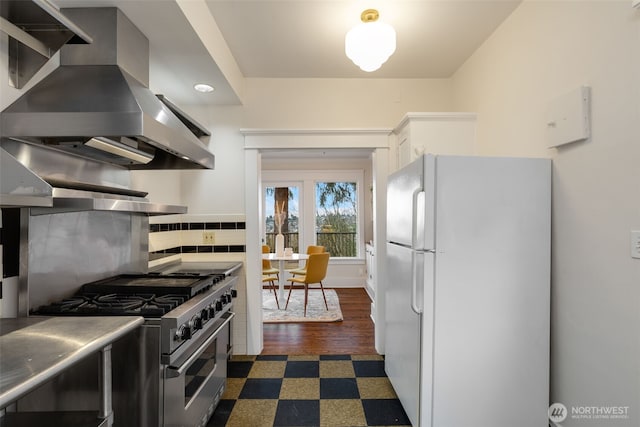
pixel 354 335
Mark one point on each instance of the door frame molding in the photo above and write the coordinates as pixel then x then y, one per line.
pixel 256 141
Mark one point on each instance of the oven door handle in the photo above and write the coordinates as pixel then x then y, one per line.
pixel 173 372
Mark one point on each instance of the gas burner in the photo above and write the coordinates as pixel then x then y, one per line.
pixel 67 305
pixel 147 305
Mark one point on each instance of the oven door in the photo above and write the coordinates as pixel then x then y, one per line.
pixel 193 389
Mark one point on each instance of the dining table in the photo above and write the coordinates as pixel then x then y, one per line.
pixel 282 259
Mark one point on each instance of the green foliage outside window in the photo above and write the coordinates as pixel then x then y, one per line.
pixel 336 218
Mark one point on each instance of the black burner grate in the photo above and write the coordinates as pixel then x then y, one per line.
pixel 146 305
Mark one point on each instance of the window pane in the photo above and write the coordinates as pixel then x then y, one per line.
pixel 337 218
pixel 285 200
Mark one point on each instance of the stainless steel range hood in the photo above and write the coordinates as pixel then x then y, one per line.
pixel 97 104
pixel 52 182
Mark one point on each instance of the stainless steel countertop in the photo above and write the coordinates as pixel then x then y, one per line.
pixel 35 349
pixel 228 268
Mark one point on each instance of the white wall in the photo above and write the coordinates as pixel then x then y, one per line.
pixel 220 190
pixel 545 49
pixel 340 103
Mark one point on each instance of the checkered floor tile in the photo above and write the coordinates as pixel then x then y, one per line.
pixel 301 391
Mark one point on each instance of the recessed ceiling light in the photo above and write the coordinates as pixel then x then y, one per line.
pixel 205 88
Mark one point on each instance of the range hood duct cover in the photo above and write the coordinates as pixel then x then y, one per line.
pixel 100 90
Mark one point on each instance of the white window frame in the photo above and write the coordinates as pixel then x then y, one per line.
pixel 301 220
pixel 309 178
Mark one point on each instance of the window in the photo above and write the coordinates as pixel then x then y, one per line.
pixel 337 217
pixel 283 199
pixel 322 207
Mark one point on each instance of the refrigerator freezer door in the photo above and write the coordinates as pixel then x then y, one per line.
pixel 410 204
pixel 404 334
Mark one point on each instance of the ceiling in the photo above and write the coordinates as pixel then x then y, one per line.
pixel 297 39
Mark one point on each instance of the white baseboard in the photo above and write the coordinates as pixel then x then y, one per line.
pixel 343 282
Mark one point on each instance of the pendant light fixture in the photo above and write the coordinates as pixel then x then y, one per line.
pixel 370 43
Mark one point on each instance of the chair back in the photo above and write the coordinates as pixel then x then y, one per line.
pixel 265 262
pixel 317 267
pixel 314 249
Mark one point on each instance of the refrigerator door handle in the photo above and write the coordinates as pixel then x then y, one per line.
pixel 417 242
pixel 414 284
pixel 418 279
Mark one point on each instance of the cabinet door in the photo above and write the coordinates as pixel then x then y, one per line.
pixel 371 268
pixel 446 136
pixel 404 149
pixel 435 133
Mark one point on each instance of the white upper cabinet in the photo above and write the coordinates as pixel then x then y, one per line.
pixel 435 133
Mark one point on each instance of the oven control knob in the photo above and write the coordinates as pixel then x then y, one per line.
pixel 218 305
pixel 184 333
pixel 204 314
pixel 234 293
pixel 197 323
pixel 212 311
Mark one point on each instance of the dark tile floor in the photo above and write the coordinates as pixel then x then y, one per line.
pixel 326 390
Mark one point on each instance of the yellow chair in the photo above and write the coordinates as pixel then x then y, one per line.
pixel 267 268
pixel 303 270
pixel 272 287
pixel 316 272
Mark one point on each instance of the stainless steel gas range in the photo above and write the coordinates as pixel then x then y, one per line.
pixel 172 372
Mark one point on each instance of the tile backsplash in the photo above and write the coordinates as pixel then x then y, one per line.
pixel 189 234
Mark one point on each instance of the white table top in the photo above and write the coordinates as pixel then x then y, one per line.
pixel 292 257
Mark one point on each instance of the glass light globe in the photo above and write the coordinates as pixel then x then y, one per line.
pixel 370 44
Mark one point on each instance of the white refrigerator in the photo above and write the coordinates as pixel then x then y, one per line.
pixel 468 290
